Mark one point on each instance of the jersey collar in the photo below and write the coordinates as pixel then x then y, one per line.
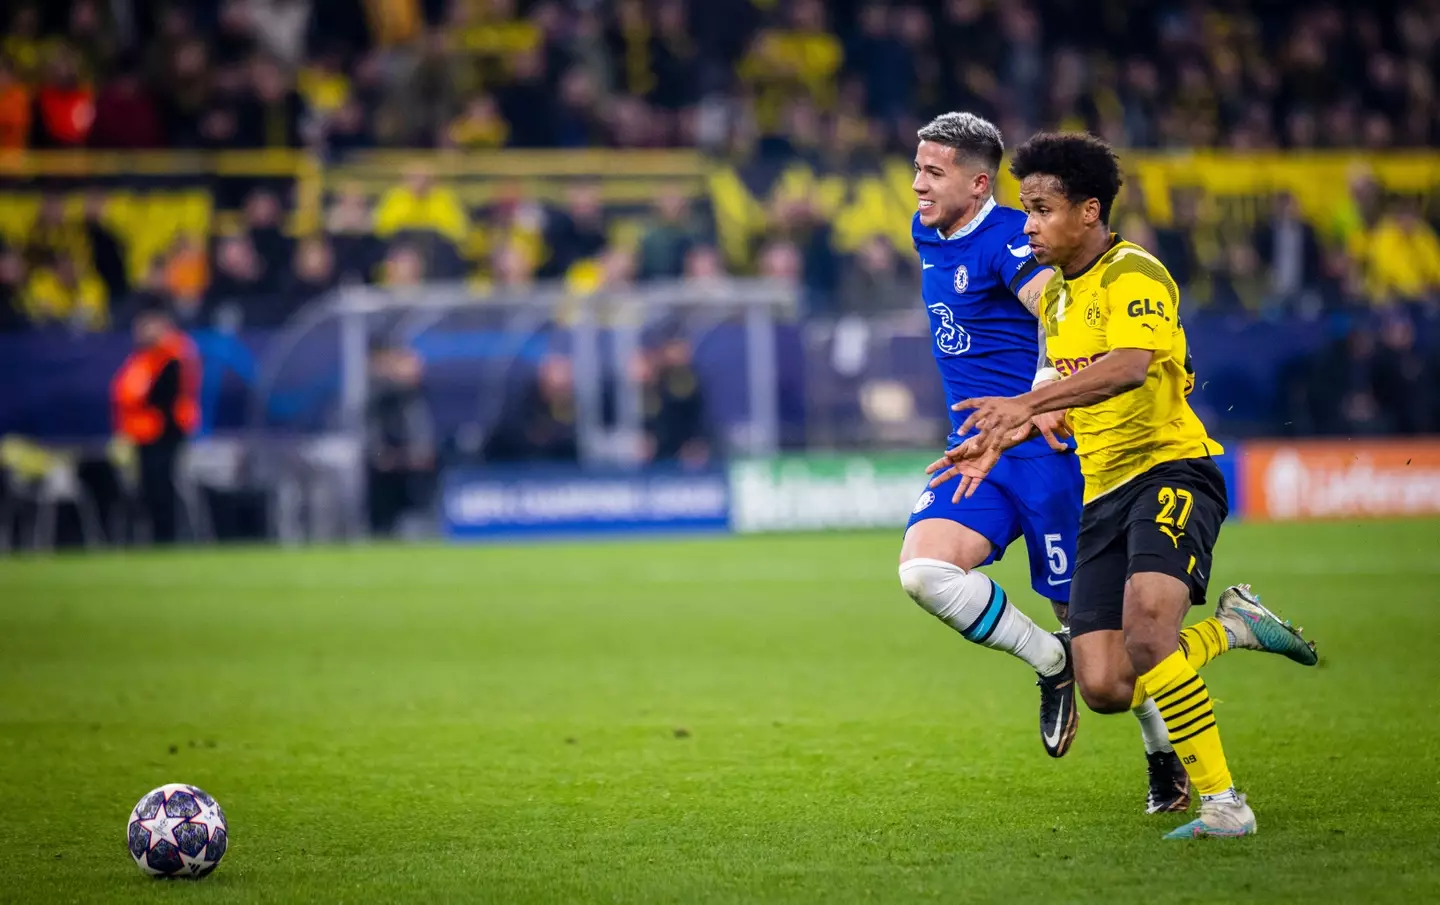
pixel 1114 240
pixel 970 227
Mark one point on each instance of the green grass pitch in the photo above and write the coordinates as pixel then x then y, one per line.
pixel 729 720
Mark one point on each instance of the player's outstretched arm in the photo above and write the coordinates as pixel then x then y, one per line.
pixel 998 417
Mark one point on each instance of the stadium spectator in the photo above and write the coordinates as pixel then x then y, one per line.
pixel 419 206
pixel 1404 378
pixel 798 61
pixel 61 292
pixel 12 278
pixel 313 273
pixel 126 117
pixel 15 109
pixel 403 269
pixel 184 277
pixel 399 438
pixel 107 255
pixel 265 229
pixel 240 278
pixel 704 274
pixel 23 45
pixel 268 115
pixel 876 280
pixel 478 127
pixel 539 424
pixel 676 429
pixel 663 249
pixel 1400 257
pixel 92 36
pixel 54 232
pixel 675 59
pixel 348 226
pixel 1343 386
pixel 527 104
pixel 65 105
pixel 796 222
pixel 579 120
pixel 576 233
pixel 1290 249
pixel 883 62
pixel 345 130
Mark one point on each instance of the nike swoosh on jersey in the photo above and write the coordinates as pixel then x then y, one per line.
pixel 924 266
pixel 1022 251
pixel 1055 584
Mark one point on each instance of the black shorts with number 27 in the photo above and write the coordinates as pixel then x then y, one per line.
pixel 1166 520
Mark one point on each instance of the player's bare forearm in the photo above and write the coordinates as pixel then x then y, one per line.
pixel 1120 371
pixel 1034 289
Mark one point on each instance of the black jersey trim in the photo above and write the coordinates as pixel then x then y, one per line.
pixel 1114 240
pixel 1024 273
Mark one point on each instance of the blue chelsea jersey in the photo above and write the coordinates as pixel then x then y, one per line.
pixel 985 342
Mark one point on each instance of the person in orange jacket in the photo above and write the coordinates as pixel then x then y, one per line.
pixel 155 402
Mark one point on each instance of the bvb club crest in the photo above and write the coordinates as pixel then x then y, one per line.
pixel 962 278
pixel 1092 313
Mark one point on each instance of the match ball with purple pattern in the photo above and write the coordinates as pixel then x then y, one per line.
pixel 177 831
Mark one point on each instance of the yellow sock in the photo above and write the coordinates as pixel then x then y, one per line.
pixel 1184 702
pixel 1139 695
pixel 1204 641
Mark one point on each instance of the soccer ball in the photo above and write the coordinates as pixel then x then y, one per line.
pixel 177 831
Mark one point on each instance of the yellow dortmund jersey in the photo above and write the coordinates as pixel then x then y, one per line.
pixel 1126 300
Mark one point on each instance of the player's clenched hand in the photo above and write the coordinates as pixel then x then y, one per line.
pixel 1054 427
pixel 995 418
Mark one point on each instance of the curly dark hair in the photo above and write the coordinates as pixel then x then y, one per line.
pixel 1084 164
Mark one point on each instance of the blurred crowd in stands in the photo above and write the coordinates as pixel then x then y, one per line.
pixel 821 82
pixel 837 86
pixel 721 74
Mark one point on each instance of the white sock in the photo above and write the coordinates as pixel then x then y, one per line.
pixel 1152 727
pixel 978 609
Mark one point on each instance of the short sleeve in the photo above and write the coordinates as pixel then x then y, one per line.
pixel 1142 313
pixel 1016 262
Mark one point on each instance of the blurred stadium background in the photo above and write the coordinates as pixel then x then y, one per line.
pixel 470 270
pixel 422 245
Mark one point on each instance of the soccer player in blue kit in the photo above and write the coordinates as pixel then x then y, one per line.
pixel 981 286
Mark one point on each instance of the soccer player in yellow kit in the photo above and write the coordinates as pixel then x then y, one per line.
pixel 1154 498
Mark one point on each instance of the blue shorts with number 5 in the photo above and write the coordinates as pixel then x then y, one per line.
pixel 1038 497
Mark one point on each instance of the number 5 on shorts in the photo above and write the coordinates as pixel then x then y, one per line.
pixel 1055 554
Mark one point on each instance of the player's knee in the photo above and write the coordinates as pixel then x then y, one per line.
pixel 1104 698
pixel 1147 645
pixel 1102 690
pixel 926 580
pixel 942 589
